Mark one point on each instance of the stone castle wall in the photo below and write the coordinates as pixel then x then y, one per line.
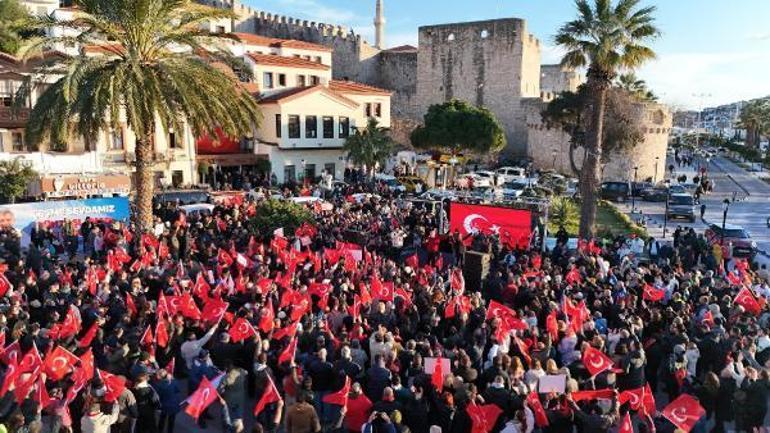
pixel 557 79
pixel 398 72
pixel 487 63
pixel 549 147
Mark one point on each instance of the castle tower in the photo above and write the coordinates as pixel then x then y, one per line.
pixel 379 26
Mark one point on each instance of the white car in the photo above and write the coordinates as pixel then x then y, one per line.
pixel 390 181
pixel 491 175
pixel 473 179
pixel 514 189
pixel 509 174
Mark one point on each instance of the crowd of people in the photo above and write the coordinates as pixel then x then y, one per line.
pixel 360 320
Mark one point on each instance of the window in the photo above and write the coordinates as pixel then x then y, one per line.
pixel 297 56
pixel 484 34
pixel 310 171
pixel 451 37
pixel 307 57
pixel 177 178
pixel 344 127
pixel 289 173
pixel 329 169
pixel 318 59
pixel 314 80
pixel 278 126
pixel 116 142
pixel 172 141
pixel 293 126
pixel 220 29
pixel 282 80
pixel 18 141
pixel 378 110
pixel 7 100
pixel 368 109
pixel 301 81
pixel 328 127
pixel 311 127
pixel 267 80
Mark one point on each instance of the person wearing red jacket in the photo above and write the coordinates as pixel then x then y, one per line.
pixel 359 407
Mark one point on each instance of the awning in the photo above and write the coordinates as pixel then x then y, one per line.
pixel 232 159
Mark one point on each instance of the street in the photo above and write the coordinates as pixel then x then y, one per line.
pixel 750 210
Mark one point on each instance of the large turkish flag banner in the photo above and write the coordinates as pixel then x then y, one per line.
pixel 684 412
pixel 514 226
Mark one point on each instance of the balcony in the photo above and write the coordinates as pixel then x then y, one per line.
pixel 13 118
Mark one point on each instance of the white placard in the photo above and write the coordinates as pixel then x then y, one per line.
pixel 552 383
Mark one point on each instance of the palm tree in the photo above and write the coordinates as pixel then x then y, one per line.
pixel 156 71
pixel 636 87
pixel 755 119
pixel 606 39
pixel 369 146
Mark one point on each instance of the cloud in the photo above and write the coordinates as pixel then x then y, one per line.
pixel 550 54
pixel 314 10
pixel 758 37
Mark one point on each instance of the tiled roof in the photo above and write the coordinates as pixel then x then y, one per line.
pixel 351 87
pixel 402 49
pixel 115 49
pixel 264 41
pixel 37 57
pixel 287 62
pixel 298 92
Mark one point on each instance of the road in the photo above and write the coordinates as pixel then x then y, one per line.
pixel 750 210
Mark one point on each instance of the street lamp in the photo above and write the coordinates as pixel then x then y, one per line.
pixel 633 196
pixel 655 176
pixel 725 208
pixel 665 216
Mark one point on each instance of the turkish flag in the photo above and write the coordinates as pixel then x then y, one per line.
pixel 625 424
pixel 596 361
pixel 131 305
pixel 382 291
pixel 437 378
pixel 89 335
pixel 573 276
pixel 41 394
pixel 339 398
pixel 71 324
pixel 413 261
pixel 514 226
pixel 684 412
pixel 457 280
pixel 289 331
pixel 270 395
pixel 483 418
pixel 114 385
pixel 213 310
pixel 224 258
pixel 11 374
pixel 23 387
pixel 289 352
pixel 58 363
pixel 147 339
pixel 5 285
pixel 161 333
pixel 552 326
pixel 201 398
pixel 748 301
pixel 188 307
pixel 533 401
pixel 170 367
pixel 87 365
pixel 268 317
pixel 11 353
pixel 31 360
pixel 592 395
pixel 241 330
pixel 652 293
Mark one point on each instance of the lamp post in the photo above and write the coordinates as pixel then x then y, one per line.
pixel 725 208
pixel 553 164
pixel 655 176
pixel 665 216
pixel 633 196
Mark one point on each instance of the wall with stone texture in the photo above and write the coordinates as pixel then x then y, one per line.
pixel 549 147
pixel 487 63
pixel 398 72
pixel 557 79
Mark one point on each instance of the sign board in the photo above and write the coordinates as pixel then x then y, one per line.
pixel 84 186
pixel 24 216
pixel 430 365
pixel 552 383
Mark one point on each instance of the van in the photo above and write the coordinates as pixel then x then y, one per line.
pixel 616 191
pixel 510 174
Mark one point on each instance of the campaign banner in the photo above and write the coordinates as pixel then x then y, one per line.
pixel 24 216
pixel 514 226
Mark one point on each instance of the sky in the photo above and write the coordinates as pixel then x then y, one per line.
pixel 711 52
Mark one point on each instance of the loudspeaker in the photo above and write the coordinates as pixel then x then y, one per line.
pixel 475 269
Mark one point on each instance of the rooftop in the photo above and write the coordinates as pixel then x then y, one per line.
pixel 251 39
pixel 298 92
pixel 351 87
pixel 287 62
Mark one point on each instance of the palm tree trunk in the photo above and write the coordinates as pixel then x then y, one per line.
pixel 145 184
pixel 591 175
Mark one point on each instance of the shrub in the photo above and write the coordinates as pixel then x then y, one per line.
pixel 275 214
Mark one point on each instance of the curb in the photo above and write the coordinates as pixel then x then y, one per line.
pixel 729 176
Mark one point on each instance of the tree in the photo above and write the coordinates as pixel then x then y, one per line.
pixel 755 119
pixel 457 126
pixel 623 128
pixel 14 179
pixel 155 70
pixel 606 39
pixel 13 16
pixel 369 146
pixel 276 214
pixel 636 87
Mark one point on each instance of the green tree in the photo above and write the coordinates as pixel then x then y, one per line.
pixel 13 17
pixel 456 126
pixel 636 87
pixel 755 119
pixel 564 214
pixel 14 179
pixel 276 214
pixel 623 128
pixel 155 71
pixel 606 39
pixel 369 146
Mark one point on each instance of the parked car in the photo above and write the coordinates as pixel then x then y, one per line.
pixel 638 187
pixel 410 183
pixel 654 194
pixel 198 209
pixel 740 238
pixel 681 206
pixel 677 189
pixel 509 174
pixel 182 197
pixel 390 181
pixel 473 180
pixel 490 175
pixel 616 191
pixel 514 189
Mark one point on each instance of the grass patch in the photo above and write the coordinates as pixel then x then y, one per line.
pixel 610 221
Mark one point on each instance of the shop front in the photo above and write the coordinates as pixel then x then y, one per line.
pixel 73 186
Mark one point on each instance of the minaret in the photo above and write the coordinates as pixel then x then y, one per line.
pixel 379 26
